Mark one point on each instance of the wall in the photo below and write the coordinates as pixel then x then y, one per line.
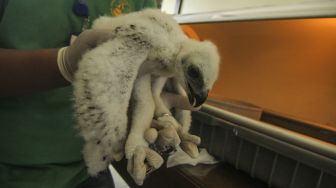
pixel 288 66
pixel 197 6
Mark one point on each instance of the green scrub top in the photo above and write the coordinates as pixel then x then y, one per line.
pixel 39 147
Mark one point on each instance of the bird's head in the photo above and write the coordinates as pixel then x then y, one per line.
pixel 197 69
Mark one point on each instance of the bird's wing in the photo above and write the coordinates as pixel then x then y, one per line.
pixel 102 90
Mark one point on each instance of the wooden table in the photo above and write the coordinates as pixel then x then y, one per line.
pixel 200 176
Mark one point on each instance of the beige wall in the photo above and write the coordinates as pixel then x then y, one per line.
pixel 197 6
pixel 288 66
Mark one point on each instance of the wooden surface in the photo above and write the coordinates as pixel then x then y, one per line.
pixel 201 176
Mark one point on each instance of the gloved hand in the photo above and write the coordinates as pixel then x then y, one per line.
pixel 68 57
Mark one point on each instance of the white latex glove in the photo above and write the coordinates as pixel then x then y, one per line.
pixel 68 57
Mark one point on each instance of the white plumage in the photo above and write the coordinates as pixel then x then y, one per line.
pixel 110 75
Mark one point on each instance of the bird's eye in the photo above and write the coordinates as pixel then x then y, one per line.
pixel 193 72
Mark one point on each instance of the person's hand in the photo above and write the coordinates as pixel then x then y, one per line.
pixel 68 57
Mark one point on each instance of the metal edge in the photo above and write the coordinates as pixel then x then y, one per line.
pixel 291 137
pixel 297 153
pixel 276 145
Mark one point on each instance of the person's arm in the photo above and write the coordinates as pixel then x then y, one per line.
pixel 25 71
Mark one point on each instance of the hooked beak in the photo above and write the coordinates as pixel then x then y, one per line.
pixel 197 98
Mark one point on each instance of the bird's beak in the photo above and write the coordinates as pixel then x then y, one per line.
pixel 197 97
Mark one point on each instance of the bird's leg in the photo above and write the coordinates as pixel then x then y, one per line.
pixel 173 131
pixel 160 106
pixel 189 142
pixel 140 157
pixel 165 123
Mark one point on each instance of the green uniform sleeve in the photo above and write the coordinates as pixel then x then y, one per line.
pixel 3 5
pixel 39 146
pixel 150 3
pixel 119 7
